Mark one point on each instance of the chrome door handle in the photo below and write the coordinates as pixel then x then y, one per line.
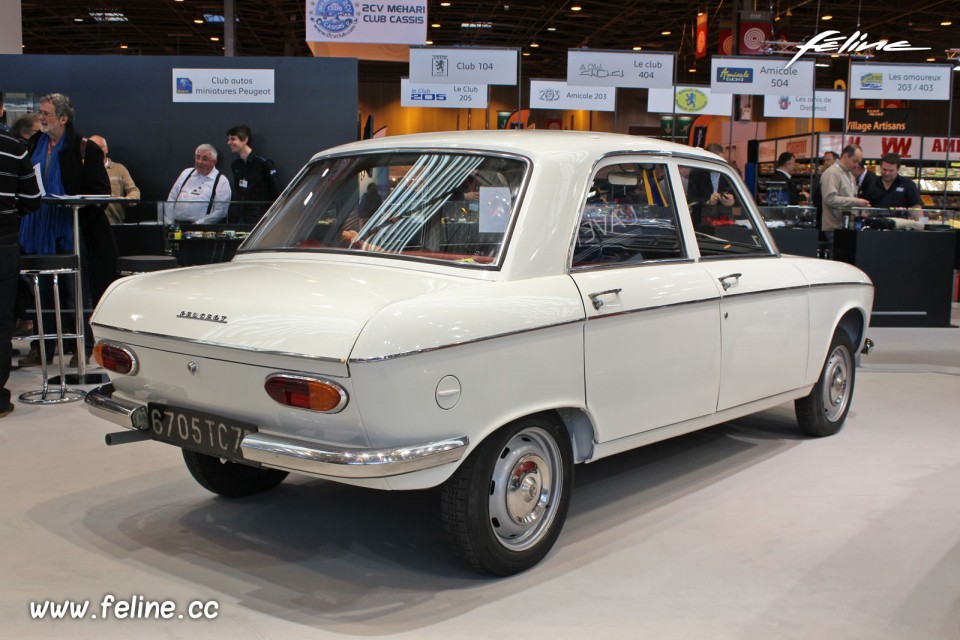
pixel 729 280
pixel 595 297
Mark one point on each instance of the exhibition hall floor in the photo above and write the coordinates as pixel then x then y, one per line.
pixel 743 531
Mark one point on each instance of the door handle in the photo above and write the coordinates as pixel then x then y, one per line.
pixel 595 297
pixel 729 280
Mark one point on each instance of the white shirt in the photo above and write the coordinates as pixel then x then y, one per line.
pixel 190 196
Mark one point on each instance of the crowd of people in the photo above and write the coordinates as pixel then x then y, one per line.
pixel 43 154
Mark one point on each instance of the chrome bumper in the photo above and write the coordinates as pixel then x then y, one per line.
pixel 298 455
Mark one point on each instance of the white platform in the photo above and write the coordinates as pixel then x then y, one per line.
pixel 743 531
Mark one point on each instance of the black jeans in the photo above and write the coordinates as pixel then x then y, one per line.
pixel 9 279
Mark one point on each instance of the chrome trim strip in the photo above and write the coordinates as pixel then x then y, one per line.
pixel 656 308
pixel 298 455
pixel 321 379
pixel 220 345
pixel 842 284
pixel 101 403
pixel 460 344
pixel 757 293
pixel 626 265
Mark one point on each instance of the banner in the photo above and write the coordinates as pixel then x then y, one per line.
pixel 619 69
pixel 755 29
pixel 223 85
pixel 882 121
pixel 830 104
pixel 936 148
pixel 554 94
pixel 875 147
pixel 700 43
pixel 396 22
pixel 726 38
pixel 689 99
pixel 467 65
pixel 442 96
pixel 900 81
pixel 751 76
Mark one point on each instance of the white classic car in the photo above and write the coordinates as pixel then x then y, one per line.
pixel 481 311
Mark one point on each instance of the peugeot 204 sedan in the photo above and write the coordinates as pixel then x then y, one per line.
pixel 479 311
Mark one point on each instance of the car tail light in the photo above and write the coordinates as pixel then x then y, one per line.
pixel 303 392
pixel 116 358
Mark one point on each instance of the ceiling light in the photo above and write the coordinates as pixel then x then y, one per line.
pixel 198 21
pixel 692 69
pixel 637 48
pixel 576 8
pixel 534 45
pixel 822 64
pixel 931 59
pixel 214 39
pixel 526 53
pixel 123 46
pixel 551 28
pixel 945 23
pixel 435 25
pixel 444 4
pixel 826 17
pixel 108 16
pixel 428 42
pixel 78 19
pixel 665 33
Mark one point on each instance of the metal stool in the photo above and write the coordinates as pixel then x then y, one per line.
pixel 55 266
pixel 129 265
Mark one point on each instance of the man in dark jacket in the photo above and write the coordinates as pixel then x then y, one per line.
pixel 19 193
pixel 255 184
pixel 70 165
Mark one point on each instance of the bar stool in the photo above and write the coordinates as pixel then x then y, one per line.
pixel 130 265
pixel 34 266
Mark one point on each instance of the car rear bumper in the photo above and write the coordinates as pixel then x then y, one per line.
pixel 299 455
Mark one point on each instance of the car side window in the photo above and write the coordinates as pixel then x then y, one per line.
pixel 629 217
pixel 720 214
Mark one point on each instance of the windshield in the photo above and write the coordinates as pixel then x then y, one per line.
pixel 452 207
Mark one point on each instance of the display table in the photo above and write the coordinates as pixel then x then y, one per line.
pixel 912 272
pixel 794 228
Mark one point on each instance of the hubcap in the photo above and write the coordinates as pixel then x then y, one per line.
pixel 526 483
pixel 836 383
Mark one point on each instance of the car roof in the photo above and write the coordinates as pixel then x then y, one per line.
pixel 530 142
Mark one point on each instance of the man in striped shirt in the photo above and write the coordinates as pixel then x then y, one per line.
pixel 19 194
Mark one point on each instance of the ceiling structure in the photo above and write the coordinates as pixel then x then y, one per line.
pixel 544 31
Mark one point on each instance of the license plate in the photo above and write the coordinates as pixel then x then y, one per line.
pixel 198 431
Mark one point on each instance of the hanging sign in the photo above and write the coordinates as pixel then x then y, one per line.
pixel 936 148
pixel 619 69
pixel 903 81
pixel 767 151
pixel 752 76
pixel 875 147
pixel 444 96
pixel 830 104
pixel 689 99
pixel 467 65
pixel 223 85
pixel 700 46
pixel 555 94
pixel 396 22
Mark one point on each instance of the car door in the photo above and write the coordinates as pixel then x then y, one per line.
pixel 652 335
pixel 764 310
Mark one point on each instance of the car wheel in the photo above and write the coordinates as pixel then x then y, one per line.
pixel 823 411
pixel 230 479
pixel 505 506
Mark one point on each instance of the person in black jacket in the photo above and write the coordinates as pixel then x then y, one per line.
pixel 69 165
pixel 19 193
pixel 255 184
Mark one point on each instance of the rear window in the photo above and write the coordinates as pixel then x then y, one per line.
pixel 449 207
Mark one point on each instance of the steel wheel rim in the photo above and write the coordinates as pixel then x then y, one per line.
pixel 836 383
pixel 527 482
